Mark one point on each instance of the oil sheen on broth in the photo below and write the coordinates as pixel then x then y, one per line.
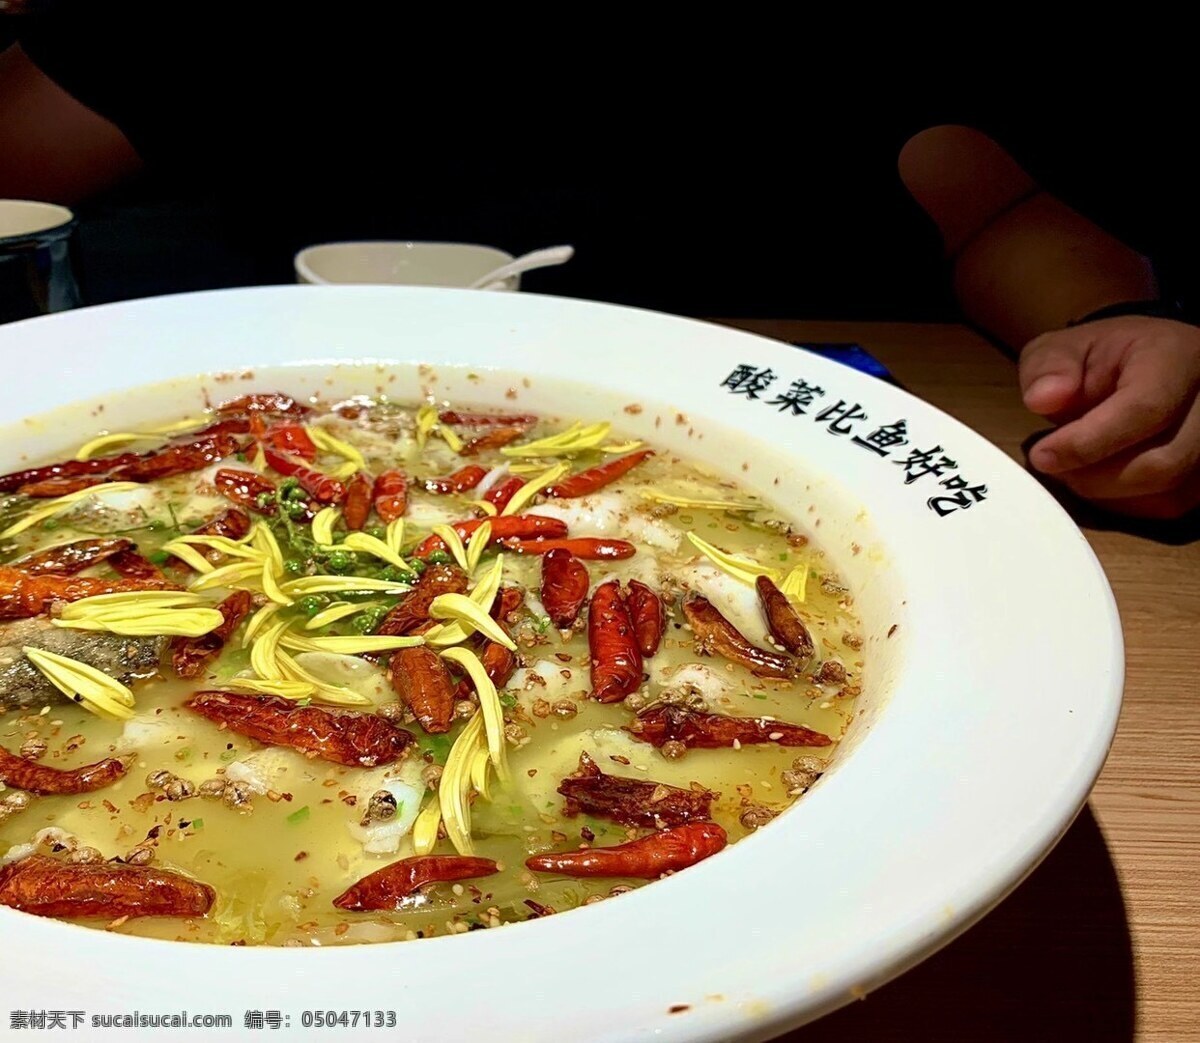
pixel 279 833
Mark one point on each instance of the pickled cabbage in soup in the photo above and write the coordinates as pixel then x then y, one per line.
pixel 294 673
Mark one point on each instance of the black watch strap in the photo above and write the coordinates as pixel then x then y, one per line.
pixel 1158 309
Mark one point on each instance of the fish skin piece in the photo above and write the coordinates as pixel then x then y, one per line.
pixel 22 685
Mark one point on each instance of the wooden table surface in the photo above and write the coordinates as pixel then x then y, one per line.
pixel 1102 942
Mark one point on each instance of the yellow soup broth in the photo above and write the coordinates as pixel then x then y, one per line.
pixel 295 832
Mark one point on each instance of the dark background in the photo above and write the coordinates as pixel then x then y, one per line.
pixel 709 175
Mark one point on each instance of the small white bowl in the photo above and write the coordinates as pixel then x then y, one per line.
pixel 26 218
pixel 401 264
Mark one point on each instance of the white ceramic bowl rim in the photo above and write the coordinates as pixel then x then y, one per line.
pixel 997 724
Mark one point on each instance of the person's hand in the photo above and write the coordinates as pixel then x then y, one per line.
pixel 1123 393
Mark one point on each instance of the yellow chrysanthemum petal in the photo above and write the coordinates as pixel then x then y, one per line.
pixel 480 538
pixel 427 418
pixel 112 441
pixel 349 645
pixel 61 503
pixel 739 568
pixel 328 443
pixel 454 787
pixel 323 523
pixel 284 689
pixel 182 622
pixel 462 609
pixel 795 583
pixel 338 610
pixel 425 828
pixel 323 692
pixel 489 704
pixel 523 496
pixel 84 684
pixel 453 541
pixel 339 584
pixel 574 439
pixel 361 541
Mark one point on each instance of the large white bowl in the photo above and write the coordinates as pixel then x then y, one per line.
pixel 988 710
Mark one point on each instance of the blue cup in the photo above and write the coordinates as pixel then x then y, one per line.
pixel 37 275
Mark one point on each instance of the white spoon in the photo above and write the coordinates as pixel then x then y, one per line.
pixel 546 258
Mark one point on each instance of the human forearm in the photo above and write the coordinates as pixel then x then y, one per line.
pixel 1040 265
pixel 1024 262
pixel 51 146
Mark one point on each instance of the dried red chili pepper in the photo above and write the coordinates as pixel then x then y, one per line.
pixel 291 439
pixel 39 778
pixel 68 558
pixel 783 621
pixel 500 493
pixel 23 595
pixel 633 802
pixel 597 477
pixel 264 402
pixel 51 488
pixel 459 482
pixel 102 465
pixel 499 663
pixel 495 439
pixel 512 525
pixel 508 600
pixel 716 635
pixel 390 495
pixel 589 548
pixel 14 481
pixel 648 858
pixel 712 731
pixel 646 611
pixel 413 610
pixel 357 507
pixel 616 661
pixel 189 654
pixel 179 459
pixel 47 887
pixel 232 524
pixel 132 565
pixel 453 416
pixel 343 736
pixel 245 488
pixel 387 888
pixel 422 681
pixel 323 488
pixel 230 425
pixel 565 584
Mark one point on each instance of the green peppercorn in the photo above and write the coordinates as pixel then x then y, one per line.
pixel 378 531
pixel 340 561
pixel 417 565
pixel 311 605
pixel 394 575
pixel 367 622
pixel 293 508
pixel 293 567
pixel 264 500
pixel 438 557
